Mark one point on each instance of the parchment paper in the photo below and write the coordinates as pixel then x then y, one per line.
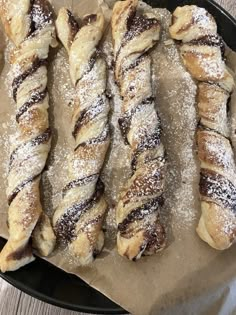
pixel 188 277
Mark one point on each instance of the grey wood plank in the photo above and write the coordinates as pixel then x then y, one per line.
pixel 14 302
pixel 29 305
pixel 9 298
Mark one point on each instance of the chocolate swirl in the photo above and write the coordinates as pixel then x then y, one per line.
pixel 217 186
pixel 139 207
pixel 28 159
pixel 36 98
pixel 20 187
pixel 80 224
pixel 79 182
pixel 137 26
pixel 102 137
pixel 210 40
pixel 36 64
pixel 88 114
pixel 21 253
pixel 126 120
pixel 40 139
pixel 66 226
pixel 138 214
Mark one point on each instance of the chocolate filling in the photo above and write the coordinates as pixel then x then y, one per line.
pixel 65 226
pixel 139 214
pixel 125 121
pixel 40 14
pixel 74 26
pixel 145 185
pixel 210 40
pixel 185 27
pixel 101 138
pixel 130 17
pixel 135 27
pixel 91 63
pixel 139 24
pixel 89 114
pixel 15 192
pixel 21 253
pixel 155 237
pixel 79 182
pixel 150 141
pixel 135 63
pixel 40 139
pixel 218 188
pixel 36 98
pixel 37 63
pixel 88 19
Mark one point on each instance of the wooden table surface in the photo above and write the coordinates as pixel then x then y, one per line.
pixel 15 302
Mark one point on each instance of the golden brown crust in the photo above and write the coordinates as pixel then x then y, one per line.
pixel 210 226
pixel 190 22
pixel 215 150
pixel 211 107
pixel 204 63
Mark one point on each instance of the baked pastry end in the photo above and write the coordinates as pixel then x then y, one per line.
pixel 14 257
pixel 217 226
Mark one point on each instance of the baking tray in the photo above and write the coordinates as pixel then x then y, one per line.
pixel 52 285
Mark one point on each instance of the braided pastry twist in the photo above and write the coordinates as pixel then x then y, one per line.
pixel 139 228
pixel 30 27
pixel 202 52
pixel 79 217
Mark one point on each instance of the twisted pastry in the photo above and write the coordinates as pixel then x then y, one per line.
pixel 139 228
pixel 202 51
pixel 30 27
pixel 79 217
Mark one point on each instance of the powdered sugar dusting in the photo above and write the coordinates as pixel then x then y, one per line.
pixel 176 106
pixel 53 179
pixel 217 151
pixel 117 167
pixel 176 94
pixel 41 16
pixel 62 95
pixel 61 69
pixel 201 17
pixel 213 67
